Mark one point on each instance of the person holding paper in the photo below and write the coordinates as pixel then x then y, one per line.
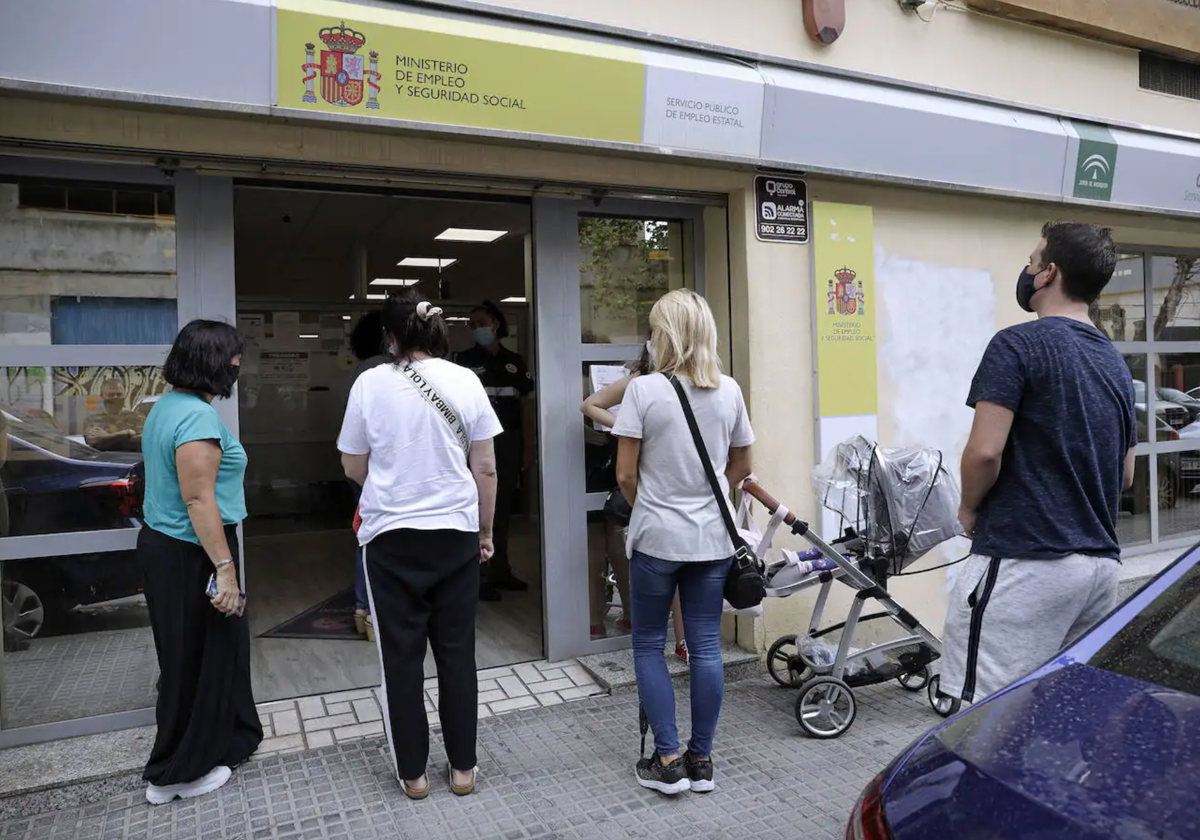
pixel 601 408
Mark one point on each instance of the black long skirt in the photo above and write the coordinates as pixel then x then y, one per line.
pixel 206 713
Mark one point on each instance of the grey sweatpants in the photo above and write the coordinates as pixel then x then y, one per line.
pixel 1006 618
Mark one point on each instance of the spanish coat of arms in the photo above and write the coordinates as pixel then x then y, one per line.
pixel 846 294
pixel 346 78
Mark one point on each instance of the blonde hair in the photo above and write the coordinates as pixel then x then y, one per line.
pixel 685 338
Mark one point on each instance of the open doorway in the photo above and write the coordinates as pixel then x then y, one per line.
pixel 309 265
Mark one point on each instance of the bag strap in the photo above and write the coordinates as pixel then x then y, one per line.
pixel 739 545
pixel 446 411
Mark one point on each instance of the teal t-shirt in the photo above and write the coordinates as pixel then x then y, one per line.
pixel 179 418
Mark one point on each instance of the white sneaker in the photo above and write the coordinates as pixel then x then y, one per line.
pixel 214 779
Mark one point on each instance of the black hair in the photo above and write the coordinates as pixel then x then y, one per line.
pixel 1085 255
pixel 366 340
pixel 496 315
pixel 200 358
pixel 412 333
pixel 642 366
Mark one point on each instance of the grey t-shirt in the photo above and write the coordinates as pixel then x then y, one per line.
pixel 675 516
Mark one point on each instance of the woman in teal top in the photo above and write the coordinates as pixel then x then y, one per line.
pixel 207 720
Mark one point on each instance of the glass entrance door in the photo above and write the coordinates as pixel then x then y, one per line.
pixel 600 267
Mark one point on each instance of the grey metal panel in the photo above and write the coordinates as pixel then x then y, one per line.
pixel 76 728
pixel 813 120
pixel 560 427
pixel 209 50
pixel 80 542
pixel 121 173
pixel 1156 172
pixel 69 355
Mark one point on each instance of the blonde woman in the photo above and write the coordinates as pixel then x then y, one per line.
pixel 597 409
pixel 677 538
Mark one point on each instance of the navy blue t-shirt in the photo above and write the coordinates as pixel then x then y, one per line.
pixel 1061 477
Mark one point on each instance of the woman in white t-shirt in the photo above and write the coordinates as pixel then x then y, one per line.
pixel 418 437
pixel 677 537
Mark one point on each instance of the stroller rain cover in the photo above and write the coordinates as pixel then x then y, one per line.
pixel 901 501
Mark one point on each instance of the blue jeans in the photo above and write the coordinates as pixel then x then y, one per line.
pixel 701 586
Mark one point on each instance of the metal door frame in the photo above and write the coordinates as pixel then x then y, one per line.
pixel 560 358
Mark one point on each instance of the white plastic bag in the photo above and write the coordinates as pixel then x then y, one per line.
pixel 749 531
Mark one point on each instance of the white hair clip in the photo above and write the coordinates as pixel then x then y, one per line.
pixel 426 310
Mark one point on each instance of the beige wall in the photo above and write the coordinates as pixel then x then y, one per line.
pixel 958 50
pixel 939 237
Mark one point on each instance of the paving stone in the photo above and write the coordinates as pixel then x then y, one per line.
pixel 331 722
pixel 581 692
pixel 528 674
pixel 553 674
pixel 488 685
pixel 274 745
pixel 552 685
pixel 492 696
pixel 552 698
pixel 312 707
pixel 359 730
pixel 319 740
pixel 286 723
pixel 512 705
pixel 513 687
pixel 367 710
pixel 338 708
pixel 280 706
pixel 579 674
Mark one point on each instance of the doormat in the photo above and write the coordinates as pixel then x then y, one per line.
pixel 333 618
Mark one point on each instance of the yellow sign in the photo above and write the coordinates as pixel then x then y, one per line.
pixel 843 237
pixel 346 58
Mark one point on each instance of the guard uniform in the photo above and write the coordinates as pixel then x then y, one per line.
pixel 506 380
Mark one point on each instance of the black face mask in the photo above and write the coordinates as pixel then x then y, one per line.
pixel 234 372
pixel 1027 288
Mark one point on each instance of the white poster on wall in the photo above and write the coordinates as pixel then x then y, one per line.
pixel 284 368
pixel 286 330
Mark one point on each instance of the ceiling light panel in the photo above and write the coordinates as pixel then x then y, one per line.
pixel 426 262
pixel 470 235
pixel 393 281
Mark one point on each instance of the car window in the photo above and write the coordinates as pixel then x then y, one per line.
pixel 40 433
pixel 1139 391
pixel 1161 645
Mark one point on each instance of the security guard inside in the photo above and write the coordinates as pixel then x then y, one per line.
pixel 510 386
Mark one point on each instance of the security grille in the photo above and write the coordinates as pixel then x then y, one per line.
pixel 1168 75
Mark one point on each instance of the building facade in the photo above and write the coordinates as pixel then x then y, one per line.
pixel 856 212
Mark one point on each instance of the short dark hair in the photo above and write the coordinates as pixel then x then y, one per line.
pixel 412 333
pixel 199 358
pixel 366 340
pixel 493 312
pixel 1084 254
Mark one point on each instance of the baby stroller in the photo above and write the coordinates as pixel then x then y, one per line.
pixel 896 505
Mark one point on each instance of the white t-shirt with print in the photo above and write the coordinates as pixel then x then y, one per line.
pixel 418 475
pixel 675 516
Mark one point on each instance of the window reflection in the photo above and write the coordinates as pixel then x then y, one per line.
pixel 1120 313
pixel 86 264
pixel 70 458
pixel 1176 284
pixel 77 640
pixel 626 265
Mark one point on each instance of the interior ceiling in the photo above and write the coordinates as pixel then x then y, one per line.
pixel 304 245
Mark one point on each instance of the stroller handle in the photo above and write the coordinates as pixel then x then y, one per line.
pixel 798 525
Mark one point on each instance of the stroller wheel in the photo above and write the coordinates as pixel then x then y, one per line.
pixel 943 704
pixel 825 707
pixel 785 664
pixel 916 681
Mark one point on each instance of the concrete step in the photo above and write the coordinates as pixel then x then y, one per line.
pixel 614 670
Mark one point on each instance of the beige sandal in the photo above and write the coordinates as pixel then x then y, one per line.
pixel 360 623
pixel 416 793
pixel 369 621
pixel 462 790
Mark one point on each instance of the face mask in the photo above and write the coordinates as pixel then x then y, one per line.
pixel 484 336
pixel 234 372
pixel 653 354
pixel 1026 289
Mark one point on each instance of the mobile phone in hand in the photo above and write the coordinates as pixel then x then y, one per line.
pixel 211 591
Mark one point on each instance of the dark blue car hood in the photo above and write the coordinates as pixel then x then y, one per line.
pixel 1077 754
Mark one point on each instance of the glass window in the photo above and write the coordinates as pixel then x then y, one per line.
pixel 1161 646
pixel 77 639
pixel 627 264
pixel 86 264
pixel 608 579
pixel 1120 313
pixel 1133 523
pixel 1176 284
pixel 70 447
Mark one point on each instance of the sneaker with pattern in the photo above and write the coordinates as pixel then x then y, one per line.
pixel 668 779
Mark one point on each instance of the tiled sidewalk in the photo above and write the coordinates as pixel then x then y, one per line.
pixel 318 722
pixel 564 772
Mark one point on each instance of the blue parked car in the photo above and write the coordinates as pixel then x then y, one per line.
pixel 1102 742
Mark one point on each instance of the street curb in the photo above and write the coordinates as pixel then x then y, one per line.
pixel 614 670
pixel 30 803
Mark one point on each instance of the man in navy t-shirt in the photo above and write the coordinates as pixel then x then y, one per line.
pixel 1050 453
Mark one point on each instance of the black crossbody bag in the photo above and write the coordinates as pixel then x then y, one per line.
pixel 745 586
